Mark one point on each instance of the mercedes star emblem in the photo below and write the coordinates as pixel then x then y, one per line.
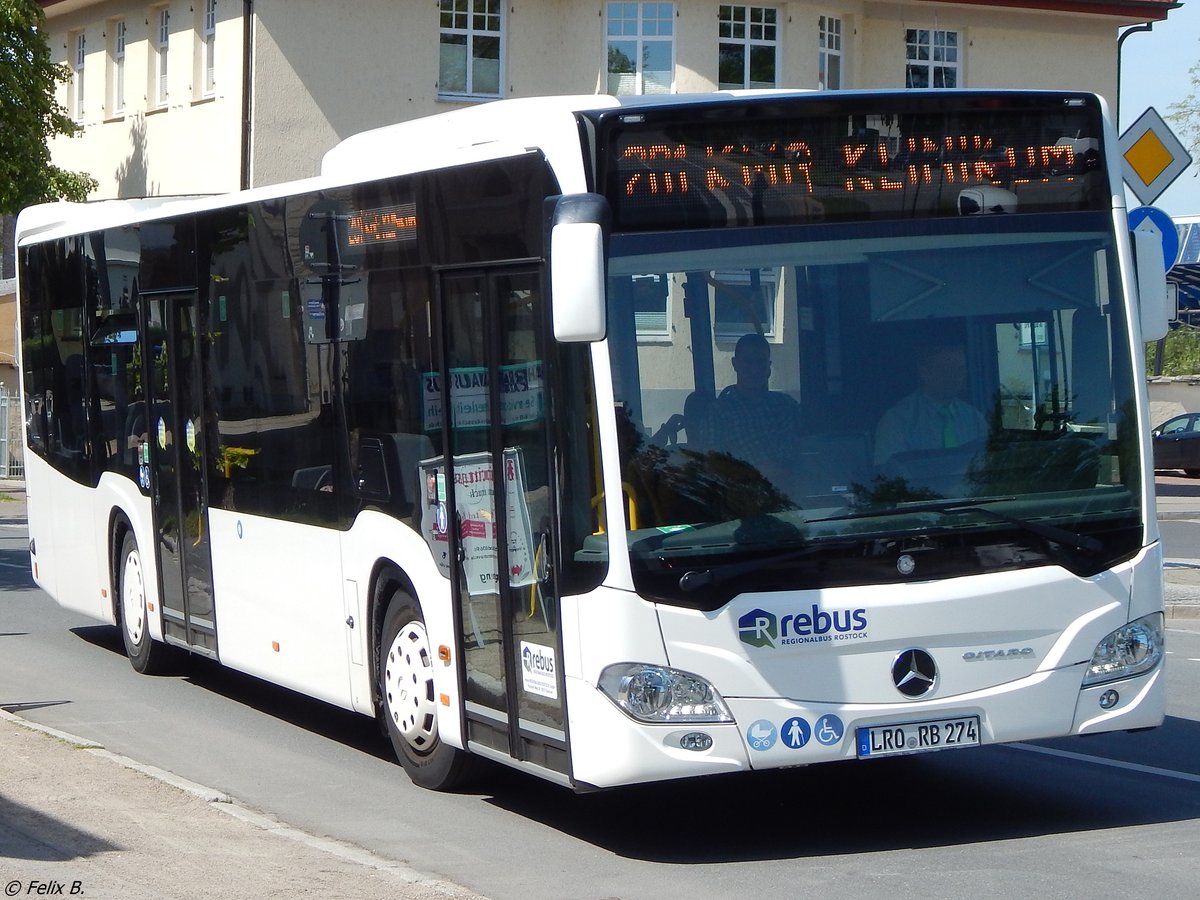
pixel 914 673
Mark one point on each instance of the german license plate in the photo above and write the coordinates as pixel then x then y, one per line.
pixel 918 737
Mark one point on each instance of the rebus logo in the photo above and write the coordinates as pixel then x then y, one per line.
pixel 758 628
pixel 537 662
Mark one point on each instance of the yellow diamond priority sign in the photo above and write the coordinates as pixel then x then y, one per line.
pixel 1151 157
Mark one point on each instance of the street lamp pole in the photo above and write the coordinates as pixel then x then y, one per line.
pixel 1146 26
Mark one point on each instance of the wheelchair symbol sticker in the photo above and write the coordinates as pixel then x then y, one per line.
pixel 795 732
pixel 762 735
pixel 829 730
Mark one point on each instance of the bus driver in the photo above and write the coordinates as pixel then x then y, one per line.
pixel 933 416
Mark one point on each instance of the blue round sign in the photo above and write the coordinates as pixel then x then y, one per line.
pixel 829 729
pixel 795 732
pixel 761 734
pixel 1151 218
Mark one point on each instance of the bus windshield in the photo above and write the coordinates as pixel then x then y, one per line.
pixel 802 405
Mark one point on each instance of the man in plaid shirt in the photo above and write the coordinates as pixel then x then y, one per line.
pixel 749 420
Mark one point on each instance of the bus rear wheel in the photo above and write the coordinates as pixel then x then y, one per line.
pixel 145 654
pixel 409 699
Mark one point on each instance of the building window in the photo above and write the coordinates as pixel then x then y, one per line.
pixel 472 47
pixel 933 58
pixel 749 47
pixel 651 305
pixel 207 47
pixel 744 301
pixel 829 53
pixel 78 45
pixel 160 20
pixel 641 48
pixel 116 73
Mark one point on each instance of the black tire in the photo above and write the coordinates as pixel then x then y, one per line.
pixel 408 699
pixel 1192 473
pixel 146 655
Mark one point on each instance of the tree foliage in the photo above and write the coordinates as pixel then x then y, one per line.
pixel 1186 114
pixel 30 114
pixel 1181 352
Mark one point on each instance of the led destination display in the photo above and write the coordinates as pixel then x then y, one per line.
pixel 882 163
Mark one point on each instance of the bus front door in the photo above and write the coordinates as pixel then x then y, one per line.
pixel 497 434
pixel 174 391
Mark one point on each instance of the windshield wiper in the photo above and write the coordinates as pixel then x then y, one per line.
pixel 1050 532
pixel 696 579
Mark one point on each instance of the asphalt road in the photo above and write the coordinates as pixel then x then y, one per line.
pixel 1081 817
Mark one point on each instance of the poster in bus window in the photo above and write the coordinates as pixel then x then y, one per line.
pixel 474 498
pixel 521 396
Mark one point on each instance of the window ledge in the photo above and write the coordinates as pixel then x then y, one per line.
pixel 467 98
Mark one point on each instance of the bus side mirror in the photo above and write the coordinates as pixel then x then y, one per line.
pixel 1153 302
pixel 578 234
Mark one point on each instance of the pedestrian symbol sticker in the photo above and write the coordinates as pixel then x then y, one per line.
pixel 761 735
pixel 829 730
pixel 795 732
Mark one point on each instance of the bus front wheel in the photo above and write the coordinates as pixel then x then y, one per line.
pixel 409 699
pixel 146 655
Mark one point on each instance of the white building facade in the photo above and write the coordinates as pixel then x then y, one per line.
pixel 199 96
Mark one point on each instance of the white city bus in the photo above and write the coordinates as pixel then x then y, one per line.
pixel 271 428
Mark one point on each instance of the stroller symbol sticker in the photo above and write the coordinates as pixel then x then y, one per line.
pixel 762 735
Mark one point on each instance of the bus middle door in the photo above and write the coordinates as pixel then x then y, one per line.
pixel 173 376
pixel 492 321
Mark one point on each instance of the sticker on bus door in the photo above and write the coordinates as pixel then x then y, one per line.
pixel 538 670
pixel 474 500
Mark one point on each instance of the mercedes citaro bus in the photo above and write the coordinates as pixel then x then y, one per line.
pixel 456 434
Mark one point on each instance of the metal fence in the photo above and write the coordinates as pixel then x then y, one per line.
pixel 12 459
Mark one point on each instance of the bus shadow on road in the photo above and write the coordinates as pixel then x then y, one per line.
pixel 944 799
pixel 324 719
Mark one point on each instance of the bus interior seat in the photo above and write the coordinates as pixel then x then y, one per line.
pixel 697 418
pixel 135 431
pixel 388 463
pixel 313 478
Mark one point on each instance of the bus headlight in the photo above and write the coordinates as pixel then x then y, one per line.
pixel 1130 650
pixel 659 694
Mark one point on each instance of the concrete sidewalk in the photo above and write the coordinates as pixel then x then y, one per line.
pixel 102 826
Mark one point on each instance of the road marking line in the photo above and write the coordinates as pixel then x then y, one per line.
pixel 1114 763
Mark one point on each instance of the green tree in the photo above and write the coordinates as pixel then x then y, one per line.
pixel 1186 114
pixel 1181 352
pixel 30 114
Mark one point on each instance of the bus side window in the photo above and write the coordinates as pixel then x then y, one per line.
pixel 52 336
